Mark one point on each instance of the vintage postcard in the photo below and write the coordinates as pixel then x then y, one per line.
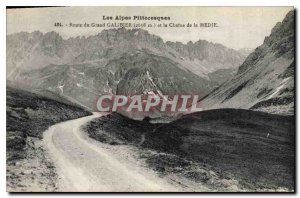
pixel 150 99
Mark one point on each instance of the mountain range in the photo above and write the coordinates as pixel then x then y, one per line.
pixel 133 61
pixel 130 61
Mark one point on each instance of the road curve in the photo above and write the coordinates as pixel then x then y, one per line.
pixel 83 166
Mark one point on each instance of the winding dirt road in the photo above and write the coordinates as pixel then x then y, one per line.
pixel 85 166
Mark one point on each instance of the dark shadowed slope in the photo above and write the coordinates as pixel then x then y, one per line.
pixel 255 148
pixel 212 147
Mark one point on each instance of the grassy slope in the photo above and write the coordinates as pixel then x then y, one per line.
pixel 232 143
pixel 254 147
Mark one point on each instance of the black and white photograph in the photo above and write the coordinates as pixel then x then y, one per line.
pixel 150 99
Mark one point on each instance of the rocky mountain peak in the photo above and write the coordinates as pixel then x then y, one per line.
pixel 201 57
pixel 265 81
pixel 280 41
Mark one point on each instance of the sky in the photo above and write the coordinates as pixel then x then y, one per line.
pixel 237 27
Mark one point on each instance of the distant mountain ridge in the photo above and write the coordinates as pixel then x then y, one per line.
pixel 34 50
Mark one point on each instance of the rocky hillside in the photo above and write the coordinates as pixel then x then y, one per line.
pixel 265 81
pixel 137 72
pixel 28 115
